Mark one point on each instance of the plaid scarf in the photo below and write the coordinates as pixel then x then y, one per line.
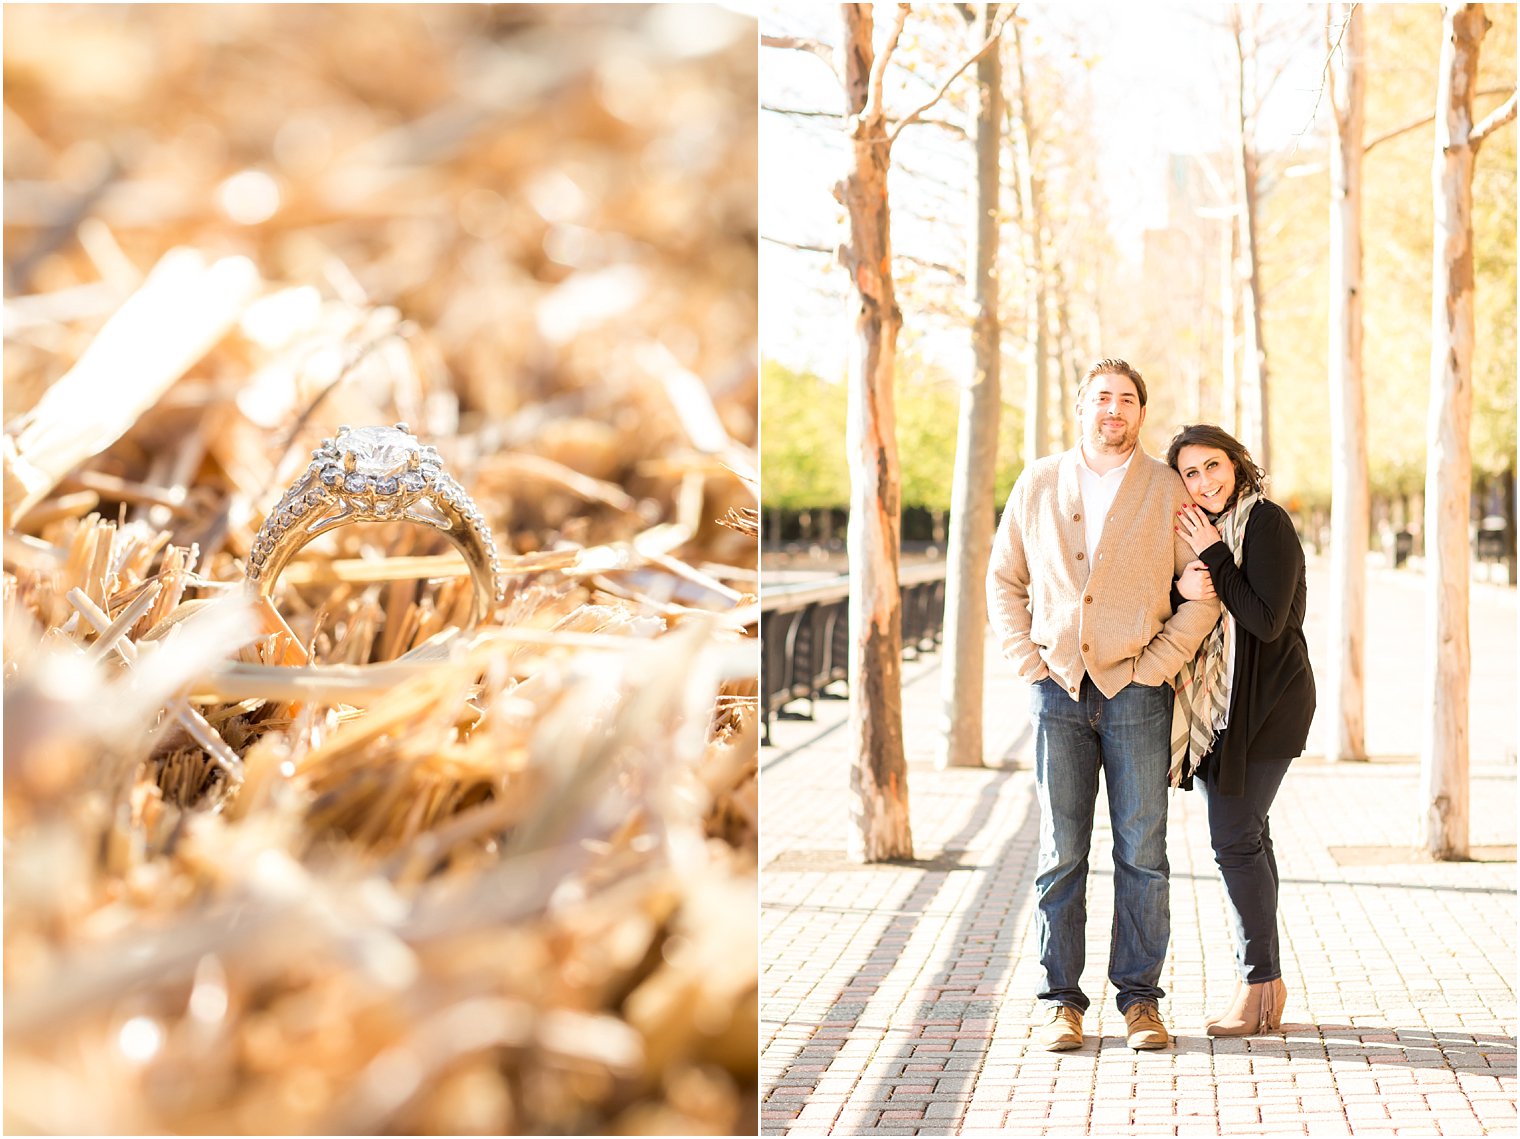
pixel 1203 685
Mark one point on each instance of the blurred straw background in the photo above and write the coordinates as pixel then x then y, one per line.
pixel 331 865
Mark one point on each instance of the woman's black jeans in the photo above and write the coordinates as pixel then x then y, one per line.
pixel 1243 851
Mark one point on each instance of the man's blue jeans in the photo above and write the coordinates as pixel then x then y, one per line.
pixel 1129 739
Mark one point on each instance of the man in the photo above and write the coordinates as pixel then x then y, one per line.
pixel 1079 592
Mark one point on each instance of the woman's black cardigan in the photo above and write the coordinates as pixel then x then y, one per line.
pixel 1272 694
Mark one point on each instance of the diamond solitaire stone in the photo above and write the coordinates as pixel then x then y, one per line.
pixel 377 451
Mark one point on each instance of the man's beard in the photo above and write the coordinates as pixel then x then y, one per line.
pixel 1100 443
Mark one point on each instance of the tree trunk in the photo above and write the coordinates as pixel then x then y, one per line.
pixel 1066 361
pixel 1253 378
pixel 1349 508
pixel 971 491
pixel 1229 326
pixel 1507 491
pixel 879 777
pixel 1037 399
pixel 1448 450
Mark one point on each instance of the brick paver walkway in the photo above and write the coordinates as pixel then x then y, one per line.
pixel 898 998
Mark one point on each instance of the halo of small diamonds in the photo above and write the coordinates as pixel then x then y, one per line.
pixel 376 474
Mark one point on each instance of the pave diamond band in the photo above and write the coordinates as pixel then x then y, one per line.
pixel 376 474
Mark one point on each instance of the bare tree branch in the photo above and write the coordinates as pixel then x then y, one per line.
pixel 813 47
pixel 1403 130
pixel 1495 119
pixel 944 124
pixel 951 271
pixel 800 246
pixel 875 99
pixel 992 39
pixel 1326 76
pixel 799 113
pixel 1430 118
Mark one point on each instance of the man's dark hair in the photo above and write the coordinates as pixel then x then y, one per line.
pixel 1248 476
pixel 1112 365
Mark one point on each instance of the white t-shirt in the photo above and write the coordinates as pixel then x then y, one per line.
pixel 1098 493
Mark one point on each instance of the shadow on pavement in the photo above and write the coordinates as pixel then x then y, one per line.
pixel 1377 1046
pixel 942 1054
pixel 1435 887
pixel 1460 1051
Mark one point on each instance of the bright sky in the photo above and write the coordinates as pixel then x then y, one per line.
pixel 1160 85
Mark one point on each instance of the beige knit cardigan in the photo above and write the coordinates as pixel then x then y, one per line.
pixel 1057 614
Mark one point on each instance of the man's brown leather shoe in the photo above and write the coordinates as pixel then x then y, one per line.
pixel 1145 1027
pixel 1062 1030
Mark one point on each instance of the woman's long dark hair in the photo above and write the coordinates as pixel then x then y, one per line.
pixel 1248 476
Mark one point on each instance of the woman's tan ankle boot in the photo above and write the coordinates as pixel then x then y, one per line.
pixel 1256 1008
pixel 1234 1000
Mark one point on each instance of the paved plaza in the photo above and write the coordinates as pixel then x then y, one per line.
pixel 898 998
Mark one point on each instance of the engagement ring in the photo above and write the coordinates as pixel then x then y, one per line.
pixel 376 474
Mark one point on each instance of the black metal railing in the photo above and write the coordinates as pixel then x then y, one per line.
pixel 805 635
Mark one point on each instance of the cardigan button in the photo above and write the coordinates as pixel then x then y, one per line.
pixel 1084 648
pixel 1076 518
pixel 1088 599
pixel 1080 555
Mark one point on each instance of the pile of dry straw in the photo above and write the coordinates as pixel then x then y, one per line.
pixel 334 865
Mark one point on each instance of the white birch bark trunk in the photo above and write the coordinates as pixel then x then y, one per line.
pixel 971 492
pixel 1349 508
pixel 1067 365
pixel 879 775
pixel 1229 326
pixel 1254 431
pixel 1037 389
pixel 1448 450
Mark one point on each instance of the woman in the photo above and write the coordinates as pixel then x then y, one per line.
pixel 1245 701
